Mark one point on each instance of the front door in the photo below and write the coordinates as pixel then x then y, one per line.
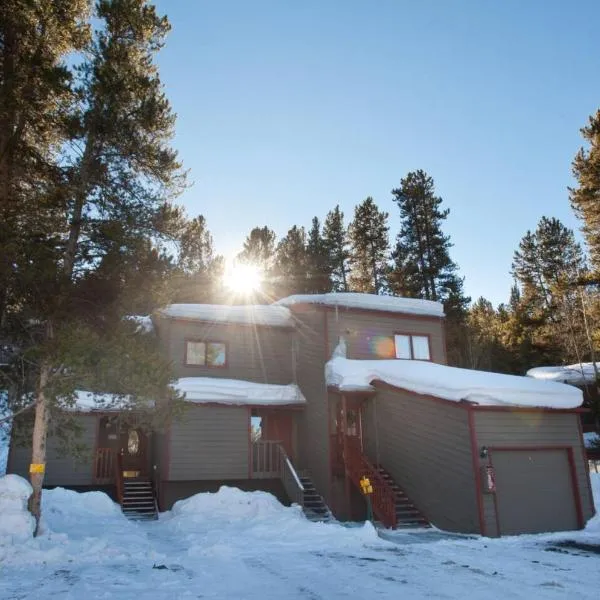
pixel 134 451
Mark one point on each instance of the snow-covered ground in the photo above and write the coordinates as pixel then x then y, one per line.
pixel 246 545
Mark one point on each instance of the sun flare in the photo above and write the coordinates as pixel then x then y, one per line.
pixel 243 279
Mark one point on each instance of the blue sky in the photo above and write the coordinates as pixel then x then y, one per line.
pixel 286 109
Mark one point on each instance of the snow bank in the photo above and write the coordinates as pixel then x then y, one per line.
pixel 202 390
pixel 394 304
pixel 229 504
pixel 576 374
pixel 255 314
pixel 16 523
pixel 451 383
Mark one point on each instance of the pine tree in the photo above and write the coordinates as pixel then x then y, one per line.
pixel 585 198
pixel 199 271
pixel 422 264
pixel 259 249
pixel 368 234
pixel 103 211
pixel 35 94
pixel 318 264
pixel 291 263
pixel 548 266
pixel 336 241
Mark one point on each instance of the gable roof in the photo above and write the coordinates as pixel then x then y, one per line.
pixel 355 300
pixel 248 314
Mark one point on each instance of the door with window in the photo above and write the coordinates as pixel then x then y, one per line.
pixel 134 451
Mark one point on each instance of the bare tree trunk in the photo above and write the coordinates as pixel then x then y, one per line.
pixel 38 453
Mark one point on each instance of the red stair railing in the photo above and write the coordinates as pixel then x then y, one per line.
pixel 383 497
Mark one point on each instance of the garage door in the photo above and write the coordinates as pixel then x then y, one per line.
pixel 534 491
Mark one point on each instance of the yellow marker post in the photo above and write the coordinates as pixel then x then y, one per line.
pixel 367 490
pixel 37 468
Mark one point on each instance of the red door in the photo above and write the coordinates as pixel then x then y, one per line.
pixel 277 426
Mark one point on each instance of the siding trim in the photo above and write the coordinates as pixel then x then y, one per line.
pixel 444 341
pixel 477 479
pixel 572 474
pixel 386 313
pixel 332 389
pixel 533 409
pixel 587 466
pixel 229 323
pixel 95 454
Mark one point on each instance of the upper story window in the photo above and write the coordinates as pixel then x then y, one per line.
pixel 412 347
pixel 205 354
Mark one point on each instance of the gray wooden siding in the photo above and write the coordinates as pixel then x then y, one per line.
pixel 261 354
pixel 313 428
pixel 425 446
pixel 504 429
pixel 61 470
pixel 371 335
pixel 209 442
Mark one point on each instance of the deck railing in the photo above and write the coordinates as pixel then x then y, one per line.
pixel 270 461
pixel 104 466
pixel 383 497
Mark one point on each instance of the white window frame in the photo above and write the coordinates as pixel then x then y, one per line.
pixel 410 355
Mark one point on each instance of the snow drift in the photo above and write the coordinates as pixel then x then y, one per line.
pixel 16 523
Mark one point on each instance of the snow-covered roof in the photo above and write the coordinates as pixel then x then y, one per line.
pixel 412 306
pixel 250 314
pixel 144 323
pixel 451 383
pixel 205 390
pixel 576 374
pixel 90 401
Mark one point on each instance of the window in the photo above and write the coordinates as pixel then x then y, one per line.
pixel 205 354
pixel 412 347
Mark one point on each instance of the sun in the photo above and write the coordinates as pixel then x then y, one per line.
pixel 242 278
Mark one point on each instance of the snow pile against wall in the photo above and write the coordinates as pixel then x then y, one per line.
pixel 16 523
pixel 451 383
pixel 411 306
pixel 203 390
pixel 5 428
pixel 257 314
pixel 576 374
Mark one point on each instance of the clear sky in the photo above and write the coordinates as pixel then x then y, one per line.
pixel 288 108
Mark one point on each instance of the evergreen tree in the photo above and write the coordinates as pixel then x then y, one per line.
pixel 548 266
pixel 318 264
pixel 259 249
pixel 103 211
pixel 368 234
pixel 291 263
pixel 35 38
pixel 199 271
pixel 585 198
pixel 422 264
pixel 336 241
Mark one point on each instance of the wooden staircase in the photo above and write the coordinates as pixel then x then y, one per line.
pixel 138 502
pixel 313 504
pixel 407 514
pixel 391 506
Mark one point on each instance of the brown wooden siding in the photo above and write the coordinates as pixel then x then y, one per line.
pixel 371 335
pixel 425 446
pixel 261 354
pixel 313 428
pixel 61 470
pixel 209 442
pixel 530 429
